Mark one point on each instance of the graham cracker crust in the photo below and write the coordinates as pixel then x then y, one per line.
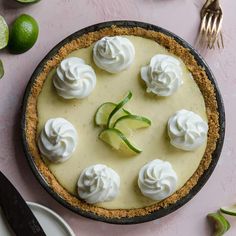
pixel 199 76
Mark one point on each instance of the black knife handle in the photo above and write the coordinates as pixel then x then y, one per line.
pixel 18 214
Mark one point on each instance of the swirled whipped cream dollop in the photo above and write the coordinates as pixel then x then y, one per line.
pixel 187 130
pixel 98 183
pixel 74 79
pixel 57 140
pixel 157 180
pixel 163 76
pixel 113 54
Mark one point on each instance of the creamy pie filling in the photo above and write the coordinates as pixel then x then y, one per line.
pixel 154 141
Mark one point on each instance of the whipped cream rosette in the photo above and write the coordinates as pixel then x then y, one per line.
pixel 98 183
pixel 113 54
pixel 157 180
pixel 58 140
pixel 74 79
pixel 187 130
pixel 163 76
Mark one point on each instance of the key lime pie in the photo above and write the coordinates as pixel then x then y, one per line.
pixel 122 122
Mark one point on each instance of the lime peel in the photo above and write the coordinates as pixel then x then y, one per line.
pixel 118 107
pixel 103 112
pixel 115 138
pixel 230 210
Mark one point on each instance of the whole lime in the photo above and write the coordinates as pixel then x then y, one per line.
pixel 23 34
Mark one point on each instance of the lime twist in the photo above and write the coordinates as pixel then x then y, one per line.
pixel 119 124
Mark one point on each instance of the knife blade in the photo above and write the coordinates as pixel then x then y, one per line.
pixel 17 213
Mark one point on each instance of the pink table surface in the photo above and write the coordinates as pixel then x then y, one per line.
pixel 58 19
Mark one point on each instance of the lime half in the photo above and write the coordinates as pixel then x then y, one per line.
pixel 4 33
pixel 220 224
pixel 230 210
pixel 1 70
pixel 118 141
pixel 113 116
pixel 103 112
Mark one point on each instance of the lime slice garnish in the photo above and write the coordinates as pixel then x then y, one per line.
pixel 103 112
pixel 113 115
pixel 4 33
pixel 230 210
pixel 1 70
pixel 118 141
pixel 220 224
pixel 131 122
pixel 27 1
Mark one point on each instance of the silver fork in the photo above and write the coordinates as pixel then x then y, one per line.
pixel 211 25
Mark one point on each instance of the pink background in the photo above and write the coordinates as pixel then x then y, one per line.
pixel 58 19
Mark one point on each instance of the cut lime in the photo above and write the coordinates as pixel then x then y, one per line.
pixel 118 141
pixel 131 122
pixel 103 112
pixel 231 210
pixel 220 224
pixel 1 70
pixel 27 1
pixel 24 34
pixel 113 116
pixel 4 33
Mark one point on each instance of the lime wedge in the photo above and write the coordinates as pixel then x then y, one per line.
pixel 103 112
pixel 27 1
pixel 4 33
pixel 118 141
pixel 231 210
pixel 220 224
pixel 114 115
pixel 131 122
pixel 1 70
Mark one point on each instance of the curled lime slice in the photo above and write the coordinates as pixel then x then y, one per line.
pixel 230 210
pixel 113 115
pixel 130 122
pixel 118 141
pixel 103 112
pixel 1 70
pixel 4 33
pixel 220 224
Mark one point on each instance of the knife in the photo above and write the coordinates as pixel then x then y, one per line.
pixel 18 214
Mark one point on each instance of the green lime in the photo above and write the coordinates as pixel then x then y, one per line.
pixel 231 210
pixel 23 34
pixel 1 69
pixel 103 112
pixel 118 141
pixel 4 33
pixel 131 122
pixel 220 224
pixel 27 1
pixel 112 118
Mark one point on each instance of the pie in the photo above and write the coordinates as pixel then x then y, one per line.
pixel 192 93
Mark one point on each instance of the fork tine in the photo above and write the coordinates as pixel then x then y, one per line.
pixel 214 30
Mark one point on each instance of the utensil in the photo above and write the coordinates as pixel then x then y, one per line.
pixel 18 214
pixel 211 25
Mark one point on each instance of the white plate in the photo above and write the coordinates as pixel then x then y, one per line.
pixel 50 221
